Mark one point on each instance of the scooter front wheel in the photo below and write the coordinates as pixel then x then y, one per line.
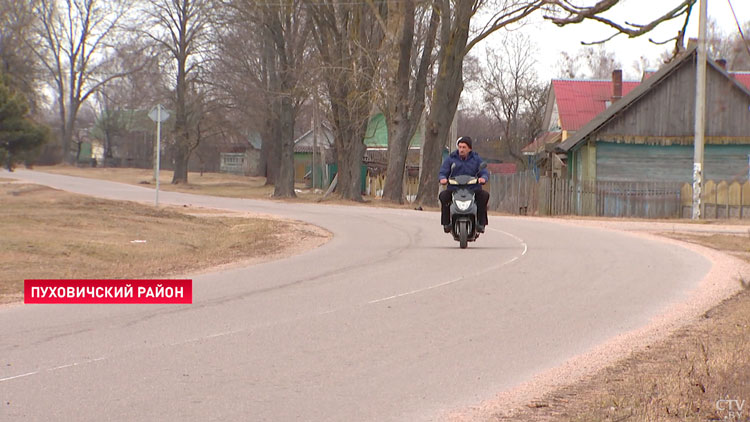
pixel 463 234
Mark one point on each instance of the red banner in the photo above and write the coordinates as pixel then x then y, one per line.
pixel 108 291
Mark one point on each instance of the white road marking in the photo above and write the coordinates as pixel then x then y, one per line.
pixel 18 376
pixel 415 291
pixel 69 365
pixel 372 302
pixel 493 268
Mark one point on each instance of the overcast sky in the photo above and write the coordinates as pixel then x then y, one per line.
pixel 552 40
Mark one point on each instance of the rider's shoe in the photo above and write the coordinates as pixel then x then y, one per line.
pixel 447 228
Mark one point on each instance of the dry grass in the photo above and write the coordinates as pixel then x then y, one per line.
pixel 207 184
pixel 678 379
pixel 214 184
pixel 53 234
pixel 736 245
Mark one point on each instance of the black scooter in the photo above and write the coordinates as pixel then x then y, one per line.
pixel 464 207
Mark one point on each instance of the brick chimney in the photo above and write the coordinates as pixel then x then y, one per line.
pixel 616 85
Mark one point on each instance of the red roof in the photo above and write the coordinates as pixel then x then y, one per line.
pixel 502 168
pixel 579 101
pixel 743 78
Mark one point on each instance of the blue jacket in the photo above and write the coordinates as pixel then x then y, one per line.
pixel 469 166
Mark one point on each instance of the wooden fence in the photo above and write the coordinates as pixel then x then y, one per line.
pixel 514 193
pixel 524 193
pixel 719 200
pixel 374 185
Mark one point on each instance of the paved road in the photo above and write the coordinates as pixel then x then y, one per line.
pixel 389 321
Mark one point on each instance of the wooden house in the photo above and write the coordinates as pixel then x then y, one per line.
pixel 571 103
pixel 303 155
pixel 648 134
pixel 240 154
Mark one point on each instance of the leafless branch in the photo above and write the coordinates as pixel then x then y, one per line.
pixel 577 14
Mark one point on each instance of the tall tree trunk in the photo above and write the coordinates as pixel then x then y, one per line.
pixel 182 146
pixel 393 191
pixel 350 155
pixel 181 131
pixel 69 115
pixel 406 104
pixel 67 141
pixel 271 149
pixel 284 186
pixel 350 125
pixel 271 143
pixel 448 86
pixel 349 39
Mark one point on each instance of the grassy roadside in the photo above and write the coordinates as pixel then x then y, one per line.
pixel 681 378
pixel 54 234
pixel 213 184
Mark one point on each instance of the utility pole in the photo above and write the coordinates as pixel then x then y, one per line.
pixel 700 111
pixel 316 123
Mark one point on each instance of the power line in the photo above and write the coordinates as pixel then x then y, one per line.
pixel 739 28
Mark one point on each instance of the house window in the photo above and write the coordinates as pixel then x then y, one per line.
pixel 232 162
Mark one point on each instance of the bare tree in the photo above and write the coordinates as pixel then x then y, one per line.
pixel 567 66
pixel 405 88
pixel 182 27
pixel 455 43
pixel 588 62
pixel 348 38
pixel 739 56
pixel 241 78
pixel 139 88
pixel 272 81
pixel 512 93
pixel 75 34
pixel 21 70
pixel 286 30
pixel 566 12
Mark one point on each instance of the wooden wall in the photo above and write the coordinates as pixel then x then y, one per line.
pixel 644 163
pixel 665 114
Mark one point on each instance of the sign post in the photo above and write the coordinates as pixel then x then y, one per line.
pixel 158 115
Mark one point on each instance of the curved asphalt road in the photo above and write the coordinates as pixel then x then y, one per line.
pixel 389 321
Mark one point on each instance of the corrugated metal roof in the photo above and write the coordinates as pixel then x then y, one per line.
pixel 579 101
pixel 742 77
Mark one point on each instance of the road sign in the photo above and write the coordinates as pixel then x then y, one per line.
pixel 158 114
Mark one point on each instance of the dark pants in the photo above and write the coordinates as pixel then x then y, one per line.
pixel 480 196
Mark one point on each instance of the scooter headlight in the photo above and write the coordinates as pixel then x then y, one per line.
pixel 463 205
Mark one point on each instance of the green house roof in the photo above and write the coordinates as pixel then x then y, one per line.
pixel 377 134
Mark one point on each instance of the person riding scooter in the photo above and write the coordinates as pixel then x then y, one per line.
pixel 467 162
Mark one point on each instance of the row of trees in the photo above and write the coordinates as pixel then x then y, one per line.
pixel 230 67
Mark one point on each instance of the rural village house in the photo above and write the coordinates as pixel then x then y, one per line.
pixel 626 147
pixel 647 135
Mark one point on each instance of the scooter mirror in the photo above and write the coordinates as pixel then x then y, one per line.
pixel 482 166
